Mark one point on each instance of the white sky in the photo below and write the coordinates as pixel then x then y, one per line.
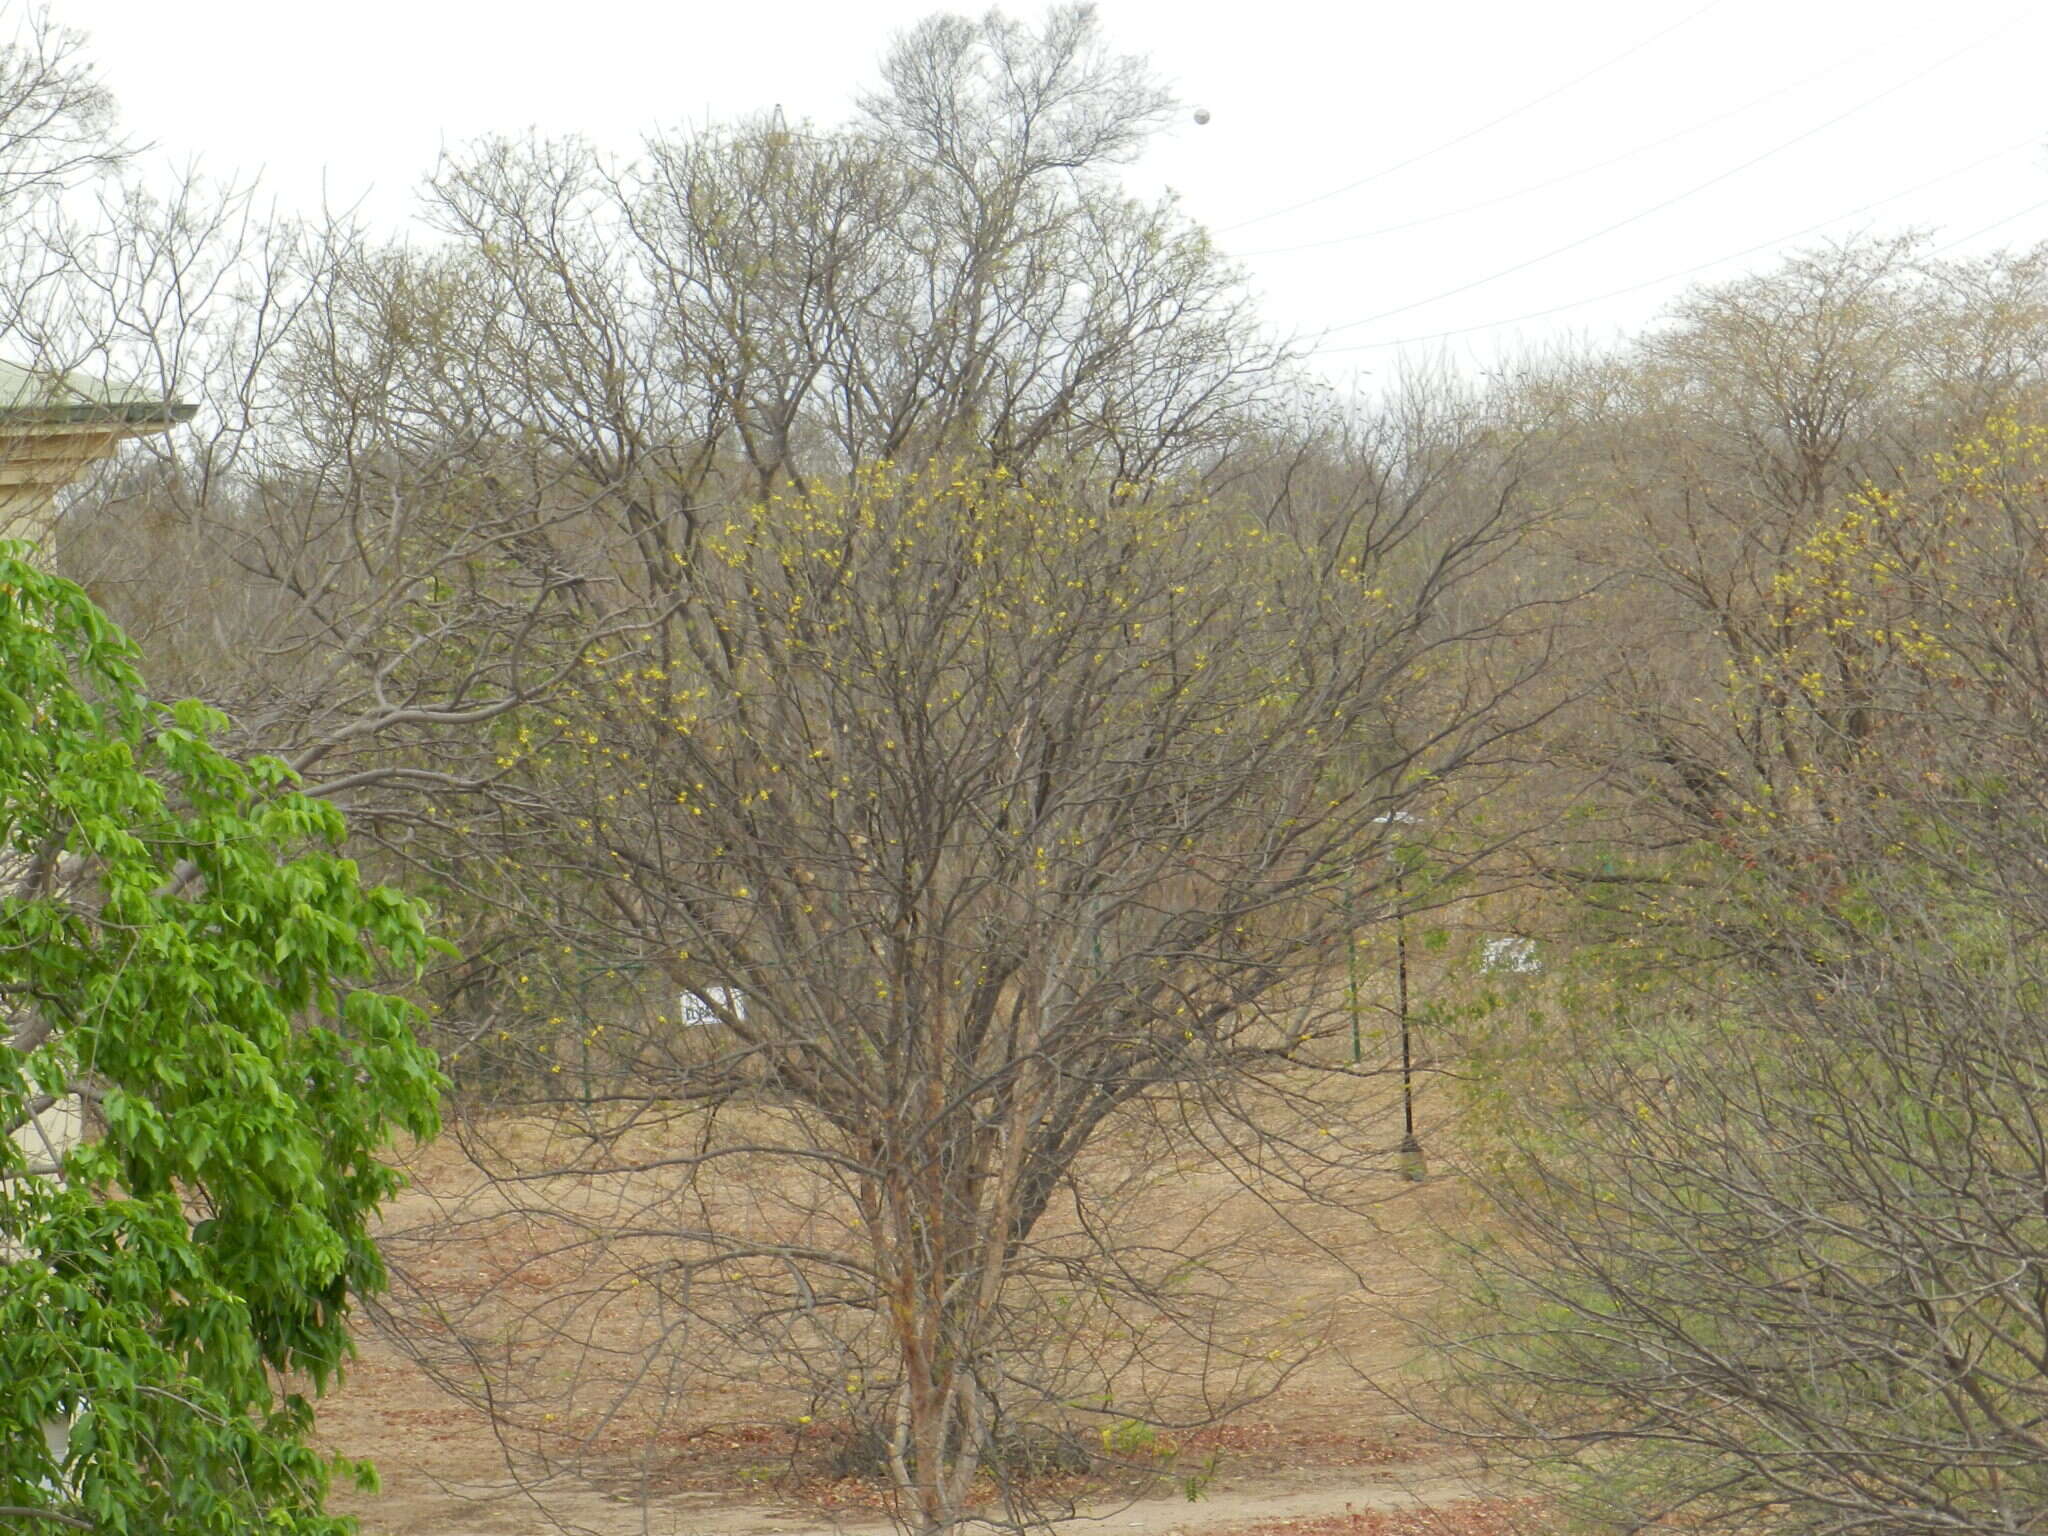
pixel 1507 173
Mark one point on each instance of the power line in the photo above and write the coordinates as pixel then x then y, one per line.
pixel 1994 224
pixel 1692 191
pixel 1721 260
pixel 1556 181
pixel 1473 133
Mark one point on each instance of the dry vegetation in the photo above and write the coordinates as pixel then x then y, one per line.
pixel 931 740
pixel 1318 1325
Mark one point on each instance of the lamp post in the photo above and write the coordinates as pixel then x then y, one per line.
pixel 1410 1151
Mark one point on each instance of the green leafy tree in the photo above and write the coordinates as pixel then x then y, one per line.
pixel 196 1079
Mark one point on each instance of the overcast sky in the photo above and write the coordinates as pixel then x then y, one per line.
pixel 1474 177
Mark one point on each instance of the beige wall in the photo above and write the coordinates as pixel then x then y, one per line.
pixel 38 461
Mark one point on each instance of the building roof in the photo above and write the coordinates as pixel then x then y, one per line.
pixel 44 397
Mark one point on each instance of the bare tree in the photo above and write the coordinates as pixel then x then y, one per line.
pixel 956 273
pixel 989 808
pixel 55 134
pixel 428 481
pixel 978 819
pixel 1769 1219
pixel 1696 463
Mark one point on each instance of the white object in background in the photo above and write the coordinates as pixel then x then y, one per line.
pixel 1510 953
pixel 711 1006
pixel 1201 117
pixel 45 1141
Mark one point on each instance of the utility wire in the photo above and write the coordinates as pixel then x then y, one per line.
pixel 1724 258
pixel 1473 133
pixel 1692 191
pixel 1557 181
pixel 1994 224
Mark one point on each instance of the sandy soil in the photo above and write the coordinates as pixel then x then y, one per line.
pixel 1333 1440
pixel 1227 1506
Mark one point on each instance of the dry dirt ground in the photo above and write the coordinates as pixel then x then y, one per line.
pixel 1441 1498
pixel 1331 1452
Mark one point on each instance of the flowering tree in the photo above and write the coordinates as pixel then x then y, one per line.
pixel 1005 813
pixel 1769 1222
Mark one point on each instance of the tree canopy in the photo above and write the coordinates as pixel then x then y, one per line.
pixel 187 975
pixel 1766 1221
